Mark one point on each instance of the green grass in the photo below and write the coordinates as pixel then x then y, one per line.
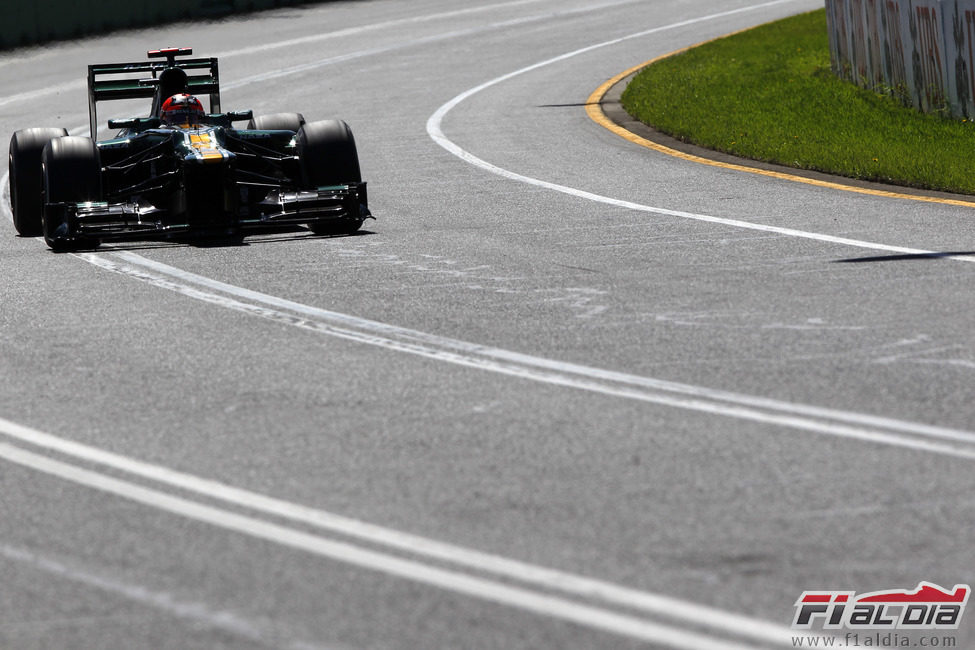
pixel 768 94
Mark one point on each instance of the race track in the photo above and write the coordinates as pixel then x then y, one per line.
pixel 565 391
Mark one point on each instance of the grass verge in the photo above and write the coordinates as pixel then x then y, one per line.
pixel 768 94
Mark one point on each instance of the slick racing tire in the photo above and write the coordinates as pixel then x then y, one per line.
pixel 328 156
pixel 277 122
pixel 26 182
pixel 72 174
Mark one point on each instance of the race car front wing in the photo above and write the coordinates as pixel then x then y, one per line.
pixel 124 221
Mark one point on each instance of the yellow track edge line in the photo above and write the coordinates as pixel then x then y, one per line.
pixel 594 108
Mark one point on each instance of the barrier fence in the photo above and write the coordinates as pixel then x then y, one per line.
pixel 922 51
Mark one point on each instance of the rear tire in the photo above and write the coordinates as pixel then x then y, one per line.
pixel 26 178
pixel 328 156
pixel 277 122
pixel 72 174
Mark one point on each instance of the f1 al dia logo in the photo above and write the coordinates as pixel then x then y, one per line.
pixel 928 607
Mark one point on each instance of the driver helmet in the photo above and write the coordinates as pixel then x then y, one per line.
pixel 182 109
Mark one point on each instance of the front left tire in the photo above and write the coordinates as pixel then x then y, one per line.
pixel 26 178
pixel 328 156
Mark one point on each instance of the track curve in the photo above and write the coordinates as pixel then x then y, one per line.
pixel 605 428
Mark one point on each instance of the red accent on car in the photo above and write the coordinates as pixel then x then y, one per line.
pixel 169 51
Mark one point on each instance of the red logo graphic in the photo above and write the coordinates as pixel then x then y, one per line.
pixel 927 607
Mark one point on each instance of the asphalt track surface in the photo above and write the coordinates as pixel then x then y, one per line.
pixel 565 392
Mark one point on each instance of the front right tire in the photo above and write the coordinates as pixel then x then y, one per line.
pixel 72 174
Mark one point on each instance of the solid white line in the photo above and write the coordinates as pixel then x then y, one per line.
pixel 81 84
pixel 479 588
pixel 435 131
pixel 362 29
pixel 434 123
pixel 426 40
pixel 34 95
pixel 763 410
pixel 534 576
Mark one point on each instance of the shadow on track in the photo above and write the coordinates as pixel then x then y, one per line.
pixel 252 239
pixel 904 256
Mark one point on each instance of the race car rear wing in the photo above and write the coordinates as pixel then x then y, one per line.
pixel 116 81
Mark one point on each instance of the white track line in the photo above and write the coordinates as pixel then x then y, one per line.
pixel 450 580
pixel 433 38
pixel 485 563
pixel 736 400
pixel 362 29
pixel 435 130
pixel 858 426
pixel 803 417
pixel 434 123
pixel 81 84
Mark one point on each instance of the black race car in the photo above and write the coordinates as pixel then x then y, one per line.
pixel 180 173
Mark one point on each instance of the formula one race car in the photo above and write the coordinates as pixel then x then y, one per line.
pixel 181 171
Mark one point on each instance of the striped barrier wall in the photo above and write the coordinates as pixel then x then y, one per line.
pixel 922 51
